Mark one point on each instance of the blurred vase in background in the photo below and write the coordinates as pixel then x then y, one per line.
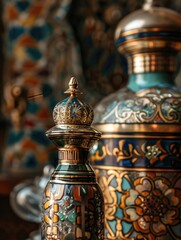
pixel 26 199
pixel 63 52
pixel 36 34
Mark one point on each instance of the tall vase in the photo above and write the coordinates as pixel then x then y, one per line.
pixel 63 52
pixel 73 202
pixel 138 159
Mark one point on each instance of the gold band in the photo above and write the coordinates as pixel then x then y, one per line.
pixel 145 45
pixel 150 29
pixel 111 128
pixel 72 155
pixel 57 181
pixel 135 169
pixel 151 62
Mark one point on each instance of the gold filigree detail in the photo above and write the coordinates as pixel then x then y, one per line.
pixel 51 209
pixel 146 199
pixel 149 106
pixel 126 151
pixel 72 110
pixel 152 151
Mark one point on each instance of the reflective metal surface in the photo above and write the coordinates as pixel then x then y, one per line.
pixel 26 197
pixel 154 19
pixel 137 159
pixel 73 205
pixel 146 36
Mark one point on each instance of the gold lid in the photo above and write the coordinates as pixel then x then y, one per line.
pixel 73 119
pixel 72 110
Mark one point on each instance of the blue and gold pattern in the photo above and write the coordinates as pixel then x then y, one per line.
pixel 71 212
pixel 142 186
pixel 161 105
pixel 146 202
pixel 73 205
pixel 140 152
pixel 138 159
pixel 26 74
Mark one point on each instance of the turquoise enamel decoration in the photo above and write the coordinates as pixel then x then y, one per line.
pixel 73 206
pixel 138 158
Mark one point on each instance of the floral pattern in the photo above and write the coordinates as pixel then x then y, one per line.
pixel 152 205
pixel 141 202
pixel 152 151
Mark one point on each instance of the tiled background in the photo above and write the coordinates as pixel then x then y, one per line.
pixel 88 32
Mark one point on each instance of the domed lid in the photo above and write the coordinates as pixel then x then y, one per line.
pixel 73 119
pixel 150 27
pixel 72 110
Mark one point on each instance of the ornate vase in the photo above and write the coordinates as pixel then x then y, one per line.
pixel 138 159
pixel 73 202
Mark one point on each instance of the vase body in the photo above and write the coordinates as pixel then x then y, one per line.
pixel 73 208
pixel 137 160
pixel 73 205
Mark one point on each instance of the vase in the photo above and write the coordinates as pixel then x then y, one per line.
pixel 138 158
pixel 72 201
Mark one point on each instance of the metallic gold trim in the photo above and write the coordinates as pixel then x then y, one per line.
pixel 66 175
pixel 144 30
pixel 74 155
pixel 151 62
pixel 72 162
pixel 72 183
pixel 136 169
pixel 148 44
pixel 139 136
pixel 112 128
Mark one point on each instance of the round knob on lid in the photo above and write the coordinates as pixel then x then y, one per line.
pixel 73 119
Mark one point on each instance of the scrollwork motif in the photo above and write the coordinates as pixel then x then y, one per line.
pixel 153 105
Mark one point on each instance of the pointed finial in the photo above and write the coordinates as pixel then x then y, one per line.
pixel 73 87
pixel 150 3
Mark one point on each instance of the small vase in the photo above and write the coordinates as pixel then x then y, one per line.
pixel 73 202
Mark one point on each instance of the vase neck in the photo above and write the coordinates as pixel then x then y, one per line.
pixel 151 70
pixel 72 156
pixel 140 81
pixel 152 62
pixel 73 168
